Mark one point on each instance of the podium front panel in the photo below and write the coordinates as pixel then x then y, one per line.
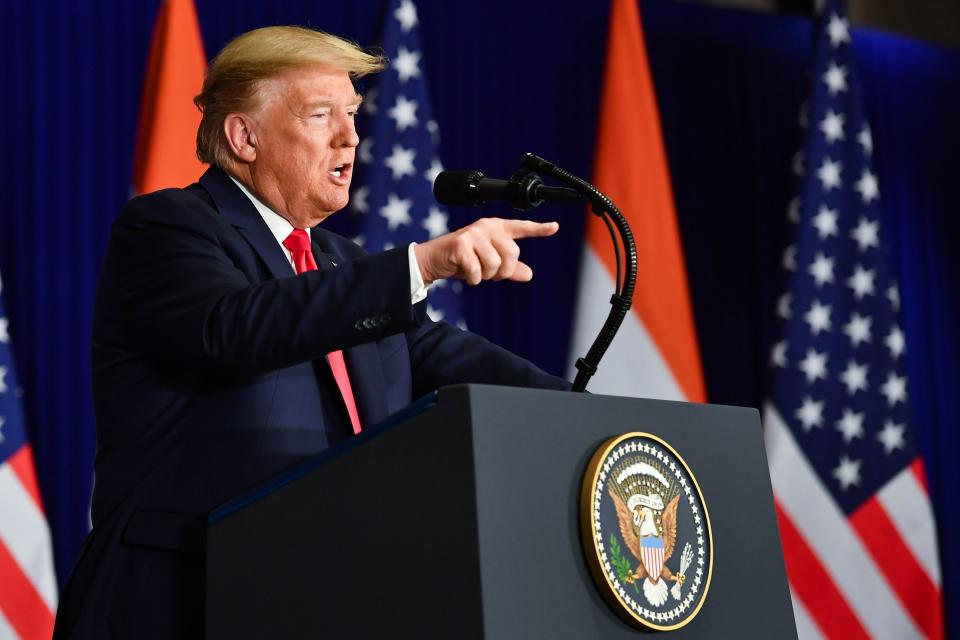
pixel 463 521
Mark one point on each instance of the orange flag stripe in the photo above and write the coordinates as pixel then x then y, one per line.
pixel 631 168
pixel 166 139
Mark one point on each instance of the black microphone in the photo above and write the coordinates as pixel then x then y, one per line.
pixel 524 190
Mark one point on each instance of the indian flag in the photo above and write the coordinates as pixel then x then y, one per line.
pixel 655 354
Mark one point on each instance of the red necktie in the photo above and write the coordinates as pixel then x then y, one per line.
pixel 298 242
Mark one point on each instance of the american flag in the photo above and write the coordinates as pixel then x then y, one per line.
pixel 855 517
pixel 398 158
pixel 28 588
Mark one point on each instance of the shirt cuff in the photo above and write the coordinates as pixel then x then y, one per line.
pixel 418 290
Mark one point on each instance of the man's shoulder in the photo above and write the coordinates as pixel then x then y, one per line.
pixel 190 206
pixel 337 245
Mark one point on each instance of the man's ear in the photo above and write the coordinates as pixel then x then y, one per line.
pixel 238 129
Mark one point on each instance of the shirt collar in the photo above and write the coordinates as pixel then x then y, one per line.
pixel 279 226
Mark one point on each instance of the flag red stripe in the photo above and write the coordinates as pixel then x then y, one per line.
pixel 907 578
pixel 20 602
pixel 920 473
pixel 22 464
pixel 814 586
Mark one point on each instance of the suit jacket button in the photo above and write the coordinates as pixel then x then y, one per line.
pixel 358 325
pixel 367 324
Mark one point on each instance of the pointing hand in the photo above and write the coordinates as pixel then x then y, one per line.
pixel 484 250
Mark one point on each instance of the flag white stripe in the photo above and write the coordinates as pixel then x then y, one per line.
pixel 632 365
pixel 807 628
pixel 6 630
pixel 908 505
pixel 825 528
pixel 24 531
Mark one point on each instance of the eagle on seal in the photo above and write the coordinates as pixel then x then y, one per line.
pixel 650 546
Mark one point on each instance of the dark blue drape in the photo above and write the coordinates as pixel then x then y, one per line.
pixel 506 77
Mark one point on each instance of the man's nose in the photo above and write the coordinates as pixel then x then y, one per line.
pixel 347 133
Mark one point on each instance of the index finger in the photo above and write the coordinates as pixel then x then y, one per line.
pixel 530 229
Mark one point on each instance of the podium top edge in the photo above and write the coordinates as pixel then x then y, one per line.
pixel 492 388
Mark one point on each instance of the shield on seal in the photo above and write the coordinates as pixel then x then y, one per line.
pixel 651 551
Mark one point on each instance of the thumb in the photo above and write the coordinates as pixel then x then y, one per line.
pixel 522 273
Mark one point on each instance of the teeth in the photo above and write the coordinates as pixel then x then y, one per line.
pixel 335 172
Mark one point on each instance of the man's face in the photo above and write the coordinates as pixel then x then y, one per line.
pixel 305 140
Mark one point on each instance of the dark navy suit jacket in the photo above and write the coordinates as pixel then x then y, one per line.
pixel 209 377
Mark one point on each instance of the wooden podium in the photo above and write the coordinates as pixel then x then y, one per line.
pixel 459 518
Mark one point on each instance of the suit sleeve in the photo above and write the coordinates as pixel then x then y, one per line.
pixel 172 288
pixel 443 355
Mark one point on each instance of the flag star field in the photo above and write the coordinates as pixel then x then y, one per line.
pixel 392 202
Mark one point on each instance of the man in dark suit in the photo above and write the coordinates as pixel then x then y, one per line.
pixel 233 337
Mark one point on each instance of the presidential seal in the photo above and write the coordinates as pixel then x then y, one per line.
pixel 645 532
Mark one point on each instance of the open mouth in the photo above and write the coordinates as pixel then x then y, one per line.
pixel 339 170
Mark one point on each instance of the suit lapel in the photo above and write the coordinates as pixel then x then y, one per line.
pixel 236 208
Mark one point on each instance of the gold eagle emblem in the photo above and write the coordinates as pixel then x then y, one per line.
pixel 646 503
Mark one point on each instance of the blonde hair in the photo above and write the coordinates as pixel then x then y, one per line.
pixel 236 74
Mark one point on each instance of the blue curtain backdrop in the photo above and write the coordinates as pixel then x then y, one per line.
pixel 505 77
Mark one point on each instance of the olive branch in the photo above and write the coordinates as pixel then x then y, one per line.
pixel 620 564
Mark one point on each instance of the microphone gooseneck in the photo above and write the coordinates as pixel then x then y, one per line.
pixel 622 298
pixel 525 190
